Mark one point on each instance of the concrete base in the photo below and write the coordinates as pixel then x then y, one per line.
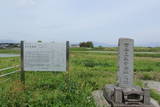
pixel 121 105
pixel 100 101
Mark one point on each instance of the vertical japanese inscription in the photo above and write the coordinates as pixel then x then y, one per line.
pixel 125 65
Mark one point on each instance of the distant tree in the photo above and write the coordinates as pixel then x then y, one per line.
pixel 100 46
pixel 39 41
pixel 88 44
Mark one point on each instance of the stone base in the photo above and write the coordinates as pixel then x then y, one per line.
pixel 127 97
pixel 100 101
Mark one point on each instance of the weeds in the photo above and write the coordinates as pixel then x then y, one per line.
pixel 88 72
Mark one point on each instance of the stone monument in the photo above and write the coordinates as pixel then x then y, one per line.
pixel 125 94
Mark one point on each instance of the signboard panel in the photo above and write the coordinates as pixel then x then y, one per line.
pixel 44 56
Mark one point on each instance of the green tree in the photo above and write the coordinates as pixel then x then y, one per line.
pixel 39 41
pixel 88 44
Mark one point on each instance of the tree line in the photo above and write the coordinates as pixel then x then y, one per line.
pixel 88 44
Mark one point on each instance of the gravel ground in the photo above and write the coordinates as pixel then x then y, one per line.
pixel 153 84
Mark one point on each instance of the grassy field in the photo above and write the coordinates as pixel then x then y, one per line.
pixel 9 61
pixel 88 72
pixel 136 49
pixel 11 51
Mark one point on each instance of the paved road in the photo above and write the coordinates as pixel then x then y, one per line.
pixel 9 55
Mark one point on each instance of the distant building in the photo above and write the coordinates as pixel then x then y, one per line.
pixel 9 45
pixel 75 46
pixel 3 46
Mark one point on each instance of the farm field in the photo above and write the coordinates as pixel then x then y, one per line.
pixel 110 49
pixel 10 50
pixel 88 71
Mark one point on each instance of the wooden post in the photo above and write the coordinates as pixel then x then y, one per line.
pixel 67 55
pixel 22 72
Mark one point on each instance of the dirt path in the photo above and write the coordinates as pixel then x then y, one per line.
pixel 153 84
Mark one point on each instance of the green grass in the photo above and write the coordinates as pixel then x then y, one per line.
pixel 147 49
pixel 54 89
pixel 95 49
pixel 155 95
pixel 88 72
pixel 148 75
pixel 136 49
pixel 9 62
pixel 154 55
pixel 11 51
pixel 17 51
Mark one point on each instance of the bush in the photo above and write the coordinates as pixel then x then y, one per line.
pixel 88 44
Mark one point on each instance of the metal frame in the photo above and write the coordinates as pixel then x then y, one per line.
pixel 22 72
pixel 3 69
pixel 67 56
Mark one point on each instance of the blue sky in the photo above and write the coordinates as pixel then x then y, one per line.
pixel 80 20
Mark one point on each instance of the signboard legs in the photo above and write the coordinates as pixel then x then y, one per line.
pixel 22 72
pixel 67 56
